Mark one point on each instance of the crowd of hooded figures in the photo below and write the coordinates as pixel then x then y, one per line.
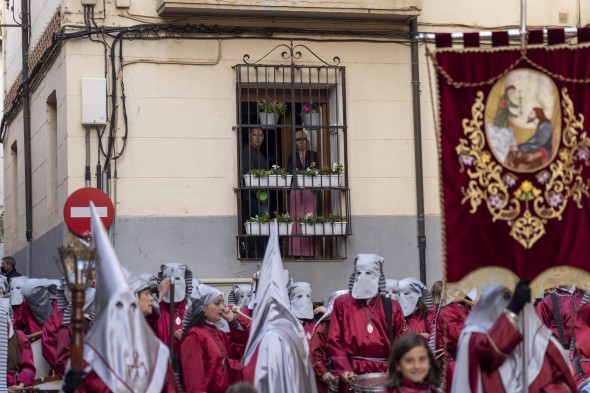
pixel 375 334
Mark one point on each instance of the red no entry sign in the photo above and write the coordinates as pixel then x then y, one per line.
pixel 77 210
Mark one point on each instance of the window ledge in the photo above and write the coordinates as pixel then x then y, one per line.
pixel 397 10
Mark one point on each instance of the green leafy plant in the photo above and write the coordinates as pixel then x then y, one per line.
pixel 308 172
pixel 334 218
pixel 311 219
pixel 335 169
pixel 310 108
pixel 271 106
pixel 258 173
pixel 264 219
pixel 278 171
pixel 283 218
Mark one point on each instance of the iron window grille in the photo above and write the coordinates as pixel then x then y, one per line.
pixel 305 149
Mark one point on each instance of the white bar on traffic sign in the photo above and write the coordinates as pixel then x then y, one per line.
pixel 84 212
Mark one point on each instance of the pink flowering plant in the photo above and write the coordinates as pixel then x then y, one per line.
pixel 310 108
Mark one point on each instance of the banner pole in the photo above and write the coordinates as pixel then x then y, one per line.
pixel 522 23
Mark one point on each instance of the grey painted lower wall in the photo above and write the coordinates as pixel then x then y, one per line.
pixel 41 257
pixel 208 246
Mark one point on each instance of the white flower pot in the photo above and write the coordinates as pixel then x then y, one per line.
pixel 330 181
pixel 311 120
pixel 257 228
pixel 308 181
pixel 268 118
pixel 279 181
pixel 312 229
pixel 285 229
pixel 252 181
pixel 335 228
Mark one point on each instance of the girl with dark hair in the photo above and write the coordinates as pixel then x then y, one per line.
pixel 411 367
pixel 207 358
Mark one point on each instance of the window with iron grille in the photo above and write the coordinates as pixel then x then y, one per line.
pixel 292 158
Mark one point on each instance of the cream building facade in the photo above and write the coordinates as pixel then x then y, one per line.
pixel 175 185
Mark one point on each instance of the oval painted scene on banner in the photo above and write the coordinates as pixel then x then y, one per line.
pixel 523 120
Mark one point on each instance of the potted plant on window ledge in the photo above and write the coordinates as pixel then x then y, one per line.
pixel 310 115
pixel 335 224
pixel 312 225
pixel 256 178
pixel 285 222
pixel 258 225
pixel 329 176
pixel 269 112
pixel 307 177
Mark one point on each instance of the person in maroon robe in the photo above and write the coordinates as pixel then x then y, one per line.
pixel 17 361
pixel 181 277
pixel 490 358
pixel 206 358
pixel 581 354
pixel 569 300
pixel 358 341
pixel 449 324
pixel 416 302
pixel 64 331
pixel 318 352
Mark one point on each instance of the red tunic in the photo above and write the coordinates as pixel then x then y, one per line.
pixel 308 326
pixel 244 319
pixel 161 324
pixel 582 330
pixel 49 337
pixel 484 355
pixel 414 323
pixel 568 305
pixel 206 359
pixel 449 326
pixel 554 376
pixel 93 383
pixel 24 319
pixel 349 335
pixel 62 354
pixel 26 374
pixel 410 387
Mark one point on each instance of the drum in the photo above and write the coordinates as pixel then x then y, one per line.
pixel 584 386
pixel 50 384
pixel 373 382
pixel 41 364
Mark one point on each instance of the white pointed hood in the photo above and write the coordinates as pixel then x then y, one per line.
pixel 283 363
pixel 182 279
pixel 16 289
pixel 300 297
pixel 121 347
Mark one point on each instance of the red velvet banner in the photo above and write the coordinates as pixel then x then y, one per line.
pixel 515 160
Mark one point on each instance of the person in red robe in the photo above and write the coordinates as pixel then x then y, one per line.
pixel 206 358
pixel 359 328
pixel 416 302
pixel 490 358
pixel 581 354
pixel 318 352
pixel 412 367
pixel 569 300
pixel 181 276
pixel 449 324
pixel 121 352
pixel 64 331
pixel 17 362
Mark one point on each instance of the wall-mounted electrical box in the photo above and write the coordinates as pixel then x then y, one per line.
pixel 94 104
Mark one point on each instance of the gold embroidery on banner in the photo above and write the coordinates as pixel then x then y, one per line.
pixel 527 208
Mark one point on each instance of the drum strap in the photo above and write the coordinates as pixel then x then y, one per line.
pixel 558 321
pixel 388 313
pixel 358 357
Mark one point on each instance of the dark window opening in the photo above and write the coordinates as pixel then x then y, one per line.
pixel 292 158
